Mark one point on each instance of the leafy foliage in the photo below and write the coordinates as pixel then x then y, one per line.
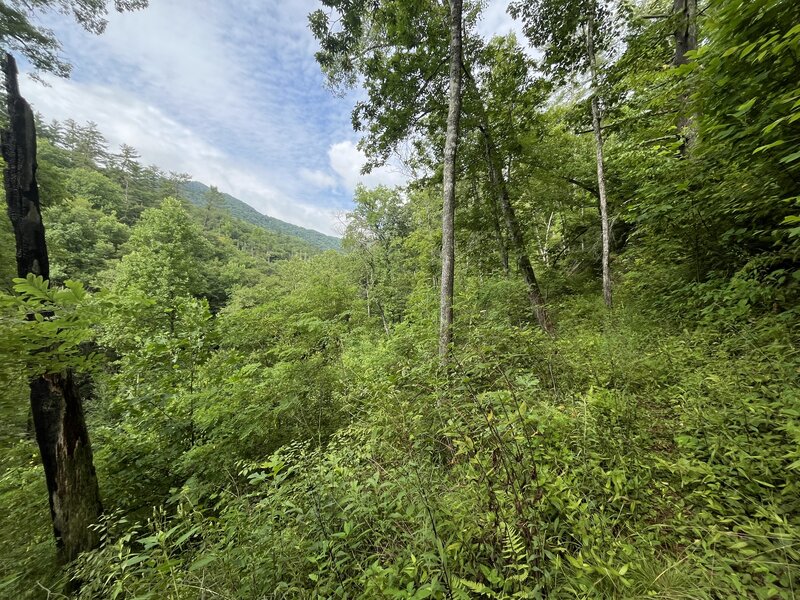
pixel 273 421
pixel 20 31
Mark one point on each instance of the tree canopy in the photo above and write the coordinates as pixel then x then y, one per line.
pixel 21 32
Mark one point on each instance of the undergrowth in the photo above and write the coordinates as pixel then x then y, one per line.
pixel 623 460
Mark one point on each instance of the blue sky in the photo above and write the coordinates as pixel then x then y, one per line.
pixel 228 92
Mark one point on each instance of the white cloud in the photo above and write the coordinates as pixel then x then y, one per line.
pixel 171 146
pixel 347 160
pixel 318 178
pixel 160 139
pixel 236 72
pixel 229 92
pixel 495 20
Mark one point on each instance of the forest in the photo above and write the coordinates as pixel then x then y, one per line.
pixel 559 362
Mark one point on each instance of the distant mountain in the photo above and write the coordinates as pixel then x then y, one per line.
pixel 194 192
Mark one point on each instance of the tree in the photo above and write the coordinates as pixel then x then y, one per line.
pixel 601 176
pixel 56 402
pixel 449 182
pixel 214 202
pixel 385 45
pixel 163 259
pixel 685 29
pixel 91 147
pixel 390 43
pixel 572 32
pixel 398 43
pixel 127 164
pixel 82 242
pixel 376 231
pixel 143 187
pixel 506 83
pixel 176 182
pixel 685 42
pixel 103 193
pixel 19 31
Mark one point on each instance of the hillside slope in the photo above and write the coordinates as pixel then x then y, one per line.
pixel 194 191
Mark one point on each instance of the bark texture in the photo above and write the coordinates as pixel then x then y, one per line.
pixel 56 404
pixel 498 234
pixel 449 183
pixel 685 12
pixel 601 177
pixel 685 30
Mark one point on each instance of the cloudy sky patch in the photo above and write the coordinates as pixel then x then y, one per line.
pixel 228 92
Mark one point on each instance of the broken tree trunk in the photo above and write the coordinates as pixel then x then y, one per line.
pixel 56 404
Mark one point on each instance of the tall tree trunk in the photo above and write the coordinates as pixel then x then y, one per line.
pixel 55 400
pixel 685 41
pixel 515 232
pixel 544 252
pixel 498 234
pixel 516 237
pixel 685 29
pixel 601 178
pixel 449 183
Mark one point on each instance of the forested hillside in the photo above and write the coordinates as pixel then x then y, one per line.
pixel 94 199
pixel 198 194
pixel 561 362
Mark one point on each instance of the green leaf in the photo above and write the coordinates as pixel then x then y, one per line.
pixel 202 562
pixel 747 49
pixel 773 125
pixel 186 535
pixel 134 559
pixel 744 107
pixel 790 158
pixel 768 146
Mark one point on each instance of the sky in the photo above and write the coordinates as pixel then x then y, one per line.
pixel 228 92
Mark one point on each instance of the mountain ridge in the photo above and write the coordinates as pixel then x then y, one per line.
pixel 194 192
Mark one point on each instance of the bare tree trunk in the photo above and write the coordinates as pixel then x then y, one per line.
pixel 685 41
pixel 515 233
pixel 686 29
pixel 56 404
pixel 601 178
pixel 449 184
pixel 517 239
pixel 542 243
pixel 383 317
pixel 498 234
